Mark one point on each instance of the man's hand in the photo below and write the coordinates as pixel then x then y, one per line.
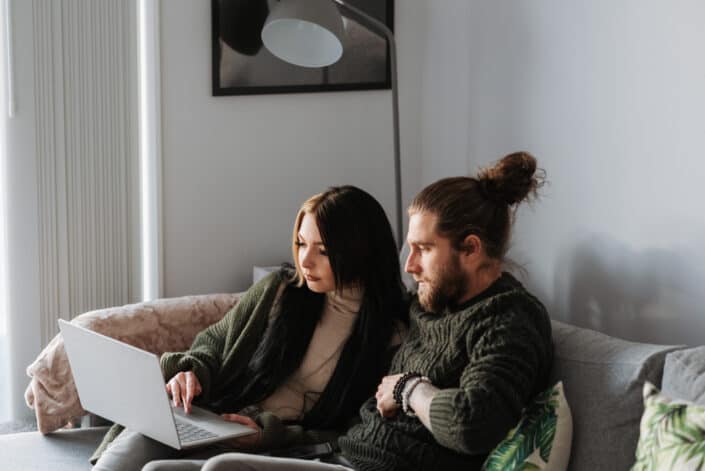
pixel 386 405
pixel 184 387
pixel 247 442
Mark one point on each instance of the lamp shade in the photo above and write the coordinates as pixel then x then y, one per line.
pixel 307 33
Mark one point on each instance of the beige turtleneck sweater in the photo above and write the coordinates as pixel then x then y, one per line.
pixel 301 391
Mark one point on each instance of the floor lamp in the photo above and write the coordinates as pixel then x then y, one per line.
pixel 308 33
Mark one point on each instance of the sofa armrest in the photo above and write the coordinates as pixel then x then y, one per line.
pixel 156 326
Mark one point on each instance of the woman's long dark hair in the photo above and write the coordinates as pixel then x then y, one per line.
pixel 358 238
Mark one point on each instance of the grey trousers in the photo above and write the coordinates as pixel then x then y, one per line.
pixel 132 451
pixel 243 462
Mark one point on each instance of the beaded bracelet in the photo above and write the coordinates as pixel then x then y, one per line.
pixel 406 394
pixel 399 387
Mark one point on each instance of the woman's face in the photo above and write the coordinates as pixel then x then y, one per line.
pixel 313 258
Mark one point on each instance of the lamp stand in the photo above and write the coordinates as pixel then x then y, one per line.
pixel 381 28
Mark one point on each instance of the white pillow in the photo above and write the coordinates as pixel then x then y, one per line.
pixel 672 434
pixel 542 438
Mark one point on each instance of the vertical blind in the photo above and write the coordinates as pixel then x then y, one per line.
pixel 77 98
pixel 85 108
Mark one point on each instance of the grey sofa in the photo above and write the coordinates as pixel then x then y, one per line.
pixel 603 379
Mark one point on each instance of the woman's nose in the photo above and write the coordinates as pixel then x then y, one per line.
pixel 306 260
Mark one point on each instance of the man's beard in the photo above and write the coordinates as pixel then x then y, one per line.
pixel 446 289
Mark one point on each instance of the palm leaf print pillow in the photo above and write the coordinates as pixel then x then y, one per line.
pixel 672 434
pixel 541 440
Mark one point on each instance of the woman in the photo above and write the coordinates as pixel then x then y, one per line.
pixel 303 348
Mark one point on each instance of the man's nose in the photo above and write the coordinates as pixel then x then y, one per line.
pixel 411 266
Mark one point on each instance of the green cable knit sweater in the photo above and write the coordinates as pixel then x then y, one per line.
pixel 489 357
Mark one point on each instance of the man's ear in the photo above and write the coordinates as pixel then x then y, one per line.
pixel 472 245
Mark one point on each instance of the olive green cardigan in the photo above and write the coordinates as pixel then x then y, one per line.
pixel 222 351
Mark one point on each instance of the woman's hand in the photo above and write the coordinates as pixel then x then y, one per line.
pixel 184 387
pixel 386 405
pixel 247 442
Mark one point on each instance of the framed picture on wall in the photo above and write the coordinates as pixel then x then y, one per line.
pixel 243 66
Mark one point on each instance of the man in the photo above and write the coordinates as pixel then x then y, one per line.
pixel 479 345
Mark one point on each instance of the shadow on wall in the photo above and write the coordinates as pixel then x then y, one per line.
pixel 654 295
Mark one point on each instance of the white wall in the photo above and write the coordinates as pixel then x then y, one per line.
pixel 609 95
pixel 236 169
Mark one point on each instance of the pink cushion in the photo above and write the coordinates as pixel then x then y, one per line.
pixel 157 326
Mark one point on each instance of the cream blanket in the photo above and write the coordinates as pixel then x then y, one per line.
pixel 164 325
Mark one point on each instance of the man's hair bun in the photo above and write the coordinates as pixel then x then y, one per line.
pixel 512 179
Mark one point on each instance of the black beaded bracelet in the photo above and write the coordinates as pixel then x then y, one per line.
pixel 399 387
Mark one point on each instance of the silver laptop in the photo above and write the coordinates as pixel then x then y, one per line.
pixel 125 384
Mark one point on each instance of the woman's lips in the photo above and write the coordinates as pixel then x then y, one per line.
pixel 311 278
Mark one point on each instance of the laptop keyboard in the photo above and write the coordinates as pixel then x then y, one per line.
pixel 190 433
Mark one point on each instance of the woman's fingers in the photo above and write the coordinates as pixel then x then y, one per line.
pixel 189 392
pixel 184 387
pixel 193 389
pixel 176 392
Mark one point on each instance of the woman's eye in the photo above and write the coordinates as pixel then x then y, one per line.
pixel 300 244
pixel 323 252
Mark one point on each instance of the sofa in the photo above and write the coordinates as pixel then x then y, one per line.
pixel 602 376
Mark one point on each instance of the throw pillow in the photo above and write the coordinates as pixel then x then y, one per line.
pixel 157 326
pixel 672 434
pixel 541 440
pixel 684 375
pixel 604 376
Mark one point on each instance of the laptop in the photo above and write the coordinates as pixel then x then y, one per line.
pixel 125 384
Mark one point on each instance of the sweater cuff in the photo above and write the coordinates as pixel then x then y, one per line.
pixel 443 415
pixel 457 425
pixel 168 363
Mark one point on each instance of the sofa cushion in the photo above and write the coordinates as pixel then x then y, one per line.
pixel 672 434
pixel 603 379
pixel 541 440
pixel 156 326
pixel 65 450
pixel 684 375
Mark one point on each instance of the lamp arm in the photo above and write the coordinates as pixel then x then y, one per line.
pixel 381 28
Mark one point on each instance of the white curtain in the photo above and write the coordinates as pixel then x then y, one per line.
pixel 72 189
